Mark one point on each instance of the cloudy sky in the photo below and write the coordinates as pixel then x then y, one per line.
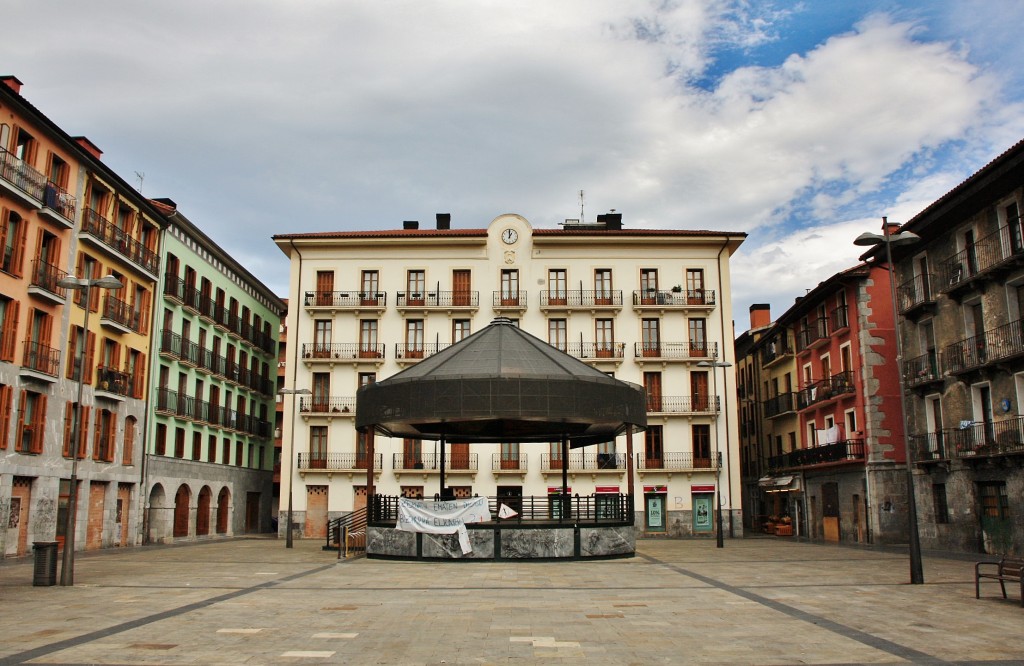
pixel 797 122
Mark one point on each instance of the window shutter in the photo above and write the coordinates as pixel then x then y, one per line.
pixel 5 416
pixel 111 441
pixel 4 213
pixel 69 426
pixel 20 430
pixel 72 351
pixel 38 424
pixel 10 331
pixel 19 249
pixel 138 377
pixel 83 430
pixel 128 450
pixel 90 343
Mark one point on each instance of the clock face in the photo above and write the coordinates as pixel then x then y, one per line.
pixel 510 236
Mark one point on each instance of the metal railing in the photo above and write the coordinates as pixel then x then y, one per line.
pixel 683 404
pixel 432 461
pixel 596 349
pixel 783 403
pixel 921 369
pixel 514 299
pixel 676 461
pixel 841 451
pixel 41 358
pixel 327 405
pixel 336 461
pixel 581 298
pixel 672 298
pixel 57 198
pixel 113 381
pixel 837 385
pixel 607 508
pixel 916 291
pixel 817 329
pixel 110 235
pixel 341 351
pixel 46 276
pixel 22 176
pixel 971 440
pixel 584 461
pixel 679 351
pixel 439 299
pixel 405 351
pixel 121 312
pixel 345 299
pixel 997 344
pixel 985 254
pixel 502 461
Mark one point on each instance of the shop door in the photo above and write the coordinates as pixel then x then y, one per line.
pixel 316 513
pixel 654 510
pixel 830 511
pixel 702 512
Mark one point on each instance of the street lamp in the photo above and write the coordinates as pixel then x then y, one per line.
pixel 889 240
pixel 67 572
pixel 291 450
pixel 719 540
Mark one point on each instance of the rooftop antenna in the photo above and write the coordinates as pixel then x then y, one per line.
pixel 582 221
pixel 141 175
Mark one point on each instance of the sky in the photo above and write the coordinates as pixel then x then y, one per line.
pixel 799 122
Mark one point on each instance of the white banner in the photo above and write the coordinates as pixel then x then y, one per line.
pixel 443 517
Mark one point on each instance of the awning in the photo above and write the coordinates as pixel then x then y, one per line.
pixel 778 484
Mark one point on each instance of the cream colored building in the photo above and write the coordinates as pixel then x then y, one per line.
pixel 648 306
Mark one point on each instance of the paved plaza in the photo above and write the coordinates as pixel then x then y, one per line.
pixel 757 601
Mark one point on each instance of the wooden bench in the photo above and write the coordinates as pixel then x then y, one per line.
pixel 1006 569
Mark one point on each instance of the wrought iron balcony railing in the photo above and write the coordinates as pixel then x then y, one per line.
pixel 46 276
pixel 439 299
pixel 671 298
pixel 837 385
pixel 22 176
pixel 508 462
pixel 676 351
pixel 971 440
pixel 916 292
pixel 994 345
pixel 458 462
pixel 351 299
pixel 783 403
pixel 337 461
pixel 676 461
pixel 683 404
pixel 841 451
pixel 110 235
pixel 581 298
pixel 327 405
pixel 584 462
pixel 340 351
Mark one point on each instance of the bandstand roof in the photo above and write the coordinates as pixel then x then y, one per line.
pixel 502 384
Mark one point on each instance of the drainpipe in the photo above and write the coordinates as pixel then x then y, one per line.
pixel 293 343
pixel 728 449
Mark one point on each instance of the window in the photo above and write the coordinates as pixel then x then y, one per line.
pixel 368 339
pixel 321 338
pixel 651 337
pixel 225 452
pixel 367 378
pixel 31 423
pixel 460 329
pixel 239 452
pixel 555 454
pixel 698 337
pixel 104 444
pixel 318 447
pixel 556 286
pixel 415 284
pixel 197 445
pixel 324 287
pixel 557 333
pixel 604 332
pixel 940 504
pixel 369 286
pixel 6 395
pixel 701 435
pixel 414 338
pixel 603 286
pixel 179 442
pixel 211 449
pixel 654 451
pixel 161 439
pixel 12 243
pixel 321 393
pixel 510 455
pixel 412 453
pixel 509 286
pixel 58 172
pixel 648 284
pixel 695 285
pixel 25 147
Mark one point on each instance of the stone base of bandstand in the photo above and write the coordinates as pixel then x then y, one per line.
pixel 490 542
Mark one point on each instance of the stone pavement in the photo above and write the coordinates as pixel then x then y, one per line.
pixel 756 601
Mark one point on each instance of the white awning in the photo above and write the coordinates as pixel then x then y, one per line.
pixel 772 481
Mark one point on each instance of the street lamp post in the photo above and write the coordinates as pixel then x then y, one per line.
pixel 714 365
pixel 67 572
pixel 288 539
pixel 888 240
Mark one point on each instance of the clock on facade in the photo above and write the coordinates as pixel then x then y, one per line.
pixel 510 236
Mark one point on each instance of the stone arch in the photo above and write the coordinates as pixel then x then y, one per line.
pixel 223 510
pixel 203 511
pixel 159 515
pixel 182 502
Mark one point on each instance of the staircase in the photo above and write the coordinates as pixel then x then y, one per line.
pixel 347 534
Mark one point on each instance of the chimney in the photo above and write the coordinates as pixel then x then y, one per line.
pixel 411 224
pixel 760 315
pixel 12 82
pixel 611 220
pixel 88 145
pixel 444 220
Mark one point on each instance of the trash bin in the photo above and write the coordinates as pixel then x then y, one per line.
pixel 46 563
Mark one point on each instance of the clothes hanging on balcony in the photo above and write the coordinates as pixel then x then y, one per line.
pixel 827 435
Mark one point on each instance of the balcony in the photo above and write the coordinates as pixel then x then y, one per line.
pixel 645 300
pixel 775 351
pixel 783 404
pixel 837 386
pixel 581 299
pixel 682 405
pixel 429 464
pixel 845 451
pixel 675 462
pixel 121 316
pixel 839 319
pixel 674 352
pixel 112 384
pixel 331 463
pixel 584 463
pixel 58 206
pixel 327 406
pixel 170 403
pixel 922 371
pixel 40 361
pixel 595 352
pixel 917 295
pixel 354 301
pixel 43 282
pixel 414 352
pixel 106 234
pixel 342 352
pixel 815 335
pixel 997 345
pixel 972 441
pixel 21 180
pixel 448 301
pixel 503 463
pixel 503 301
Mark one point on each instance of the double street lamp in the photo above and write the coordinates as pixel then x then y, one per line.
pixel 889 240
pixel 288 539
pixel 85 285
pixel 714 365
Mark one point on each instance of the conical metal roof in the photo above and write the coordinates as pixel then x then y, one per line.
pixel 502 384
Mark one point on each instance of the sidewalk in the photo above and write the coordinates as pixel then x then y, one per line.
pixel 756 601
